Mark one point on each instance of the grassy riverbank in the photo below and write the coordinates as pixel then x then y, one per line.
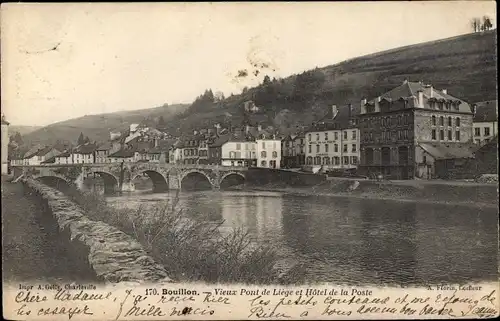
pixel 191 250
pixel 434 192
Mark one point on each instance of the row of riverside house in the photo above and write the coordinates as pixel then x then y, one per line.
pixel 411 131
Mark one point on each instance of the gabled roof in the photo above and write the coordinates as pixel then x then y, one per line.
pixel 87 148
pixel 449 151
pixel 50 160
pixel 123 153
pixel 342 119
pixel 409 90
pixel 39 151
pixel 105 146
pixel 65 153
pixel 486 111
pixel 221 140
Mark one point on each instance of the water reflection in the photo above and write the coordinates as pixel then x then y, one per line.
pixel 355 241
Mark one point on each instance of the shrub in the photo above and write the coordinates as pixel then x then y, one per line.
pixel 192 250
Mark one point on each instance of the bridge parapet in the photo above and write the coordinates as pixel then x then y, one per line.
pixel 121 175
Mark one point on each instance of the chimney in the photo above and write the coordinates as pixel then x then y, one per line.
pixel 420 99
pixel 195 132
pixel 217 129
pixel 432 92
pixel 445 91
pixel 363 107
pixel 377 106
pixel 474 109
pixel 335 111
pixel 247 128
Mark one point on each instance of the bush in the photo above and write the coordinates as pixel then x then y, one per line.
pixel 192 250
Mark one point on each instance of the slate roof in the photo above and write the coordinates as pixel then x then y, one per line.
pixel 342 119
pixel 87 148
pixel 449 151
pixel 123 153
pixel 409 90
pixel 486 111
pixel 50 160
pixel 105 146
pixel 221 140
pixel 65 153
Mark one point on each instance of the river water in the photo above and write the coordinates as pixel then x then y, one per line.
pixel 353 241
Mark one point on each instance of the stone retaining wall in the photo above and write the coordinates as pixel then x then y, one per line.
pixel 112 254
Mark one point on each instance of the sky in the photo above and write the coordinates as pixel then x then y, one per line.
pixel 61 61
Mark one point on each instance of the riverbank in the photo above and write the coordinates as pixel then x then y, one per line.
pixel 32 245
pixel 431 192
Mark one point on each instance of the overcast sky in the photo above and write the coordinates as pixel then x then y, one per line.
pixel 111 57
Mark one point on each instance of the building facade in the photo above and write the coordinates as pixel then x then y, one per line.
pixel 268 148
pixel 393 124
pixel 485 121
pixel 238 152
pixel 334 142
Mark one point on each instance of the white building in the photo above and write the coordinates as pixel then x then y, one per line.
pixel 485 121
pixel 238 152
pixel 268 150
pixel 66 157
pixel 84 154
pixel 334 142
pixel 40 156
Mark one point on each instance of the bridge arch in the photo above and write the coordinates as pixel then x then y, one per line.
pixel 58 182
pixel 231 179
pixel 195 179
pixel 160 180
pixel 111 182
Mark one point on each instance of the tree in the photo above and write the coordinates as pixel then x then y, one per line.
pixel 161 124
pixel 86 140
pixel 81 139
pixel 475 24
pixel 487 25
pixel 16 138
pixel 266 80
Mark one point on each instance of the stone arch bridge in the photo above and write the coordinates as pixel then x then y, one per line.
pixel 120 176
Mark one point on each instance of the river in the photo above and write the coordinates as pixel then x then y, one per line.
pixel 353 241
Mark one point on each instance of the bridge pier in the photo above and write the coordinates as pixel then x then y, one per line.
pixel 127 187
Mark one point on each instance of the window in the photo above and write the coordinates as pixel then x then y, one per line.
pixel 486 131
pixel 441 121
pixel 449 121
pixel 354 160
pixel 275 154
pixel 346 160
pixel 310 137
pixel 263 154
pixel 345 148
pixel 317 148
pixel 425 159
pixel 301 141
pixel 263 163
pixel 336 135
pixel 353 148
pixel 434 134
pixel 310 151
pixel 457 122
pixel 336 148
pixel 336 160
pixel 317 136
pixel 345 135
pixel 441 134
pixel 326 148
pixel 353 134
pixel 457 135
pixel 326 136
pixel 433 120
pixel 238 146
pixel 450 136
pixel 477 131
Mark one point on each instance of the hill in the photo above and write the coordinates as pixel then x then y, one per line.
pixel 464 65
pixel 22 130
pixel 97 127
